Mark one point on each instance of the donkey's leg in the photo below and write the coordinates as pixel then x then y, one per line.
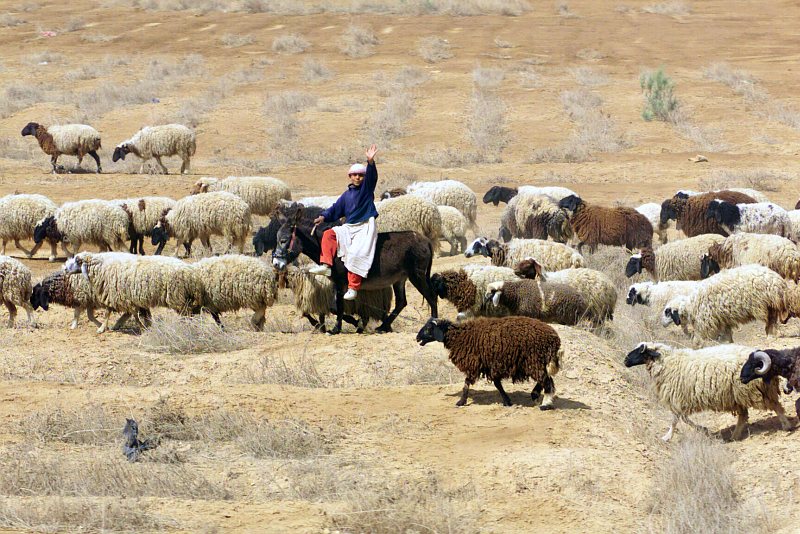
pixel 399 303
pixel 420 282
pixel 339 310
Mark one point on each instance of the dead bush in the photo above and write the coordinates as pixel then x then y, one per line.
pixel 298 371
pixel 672 9
pixel 358 42
pixel 587 76
pixel 500 43
pixel 74 24
pixel 590 54
pixel 280 109
pixel 7 20
pixel 409 77
pixel 529 78
pixel 487 129
pixel 18 96
pixel 173 334
pixel 389 122
pixel 759 179
pixel 315 71
pixel 563 10
pixel 44 58
pixel 487 78
pixel 434 49
pixel 741 82
pixel 90 425
pixel 449 157
pixel 290 44
pixel 706 139
pixel 424 370
pixel 16 147
pixel 97 38
pixel 230 40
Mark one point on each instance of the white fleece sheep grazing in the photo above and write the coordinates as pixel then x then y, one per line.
pixel 759 218
pixel 772 251
pixel 323 202
pixel 202 216
pixel 18 217
pixel 690 381
pixel 262 193
pixel 101 223
pixel 652 211
pixel 66 139
pixel 551 255
pixel 454 228
pixel 16 289
pixel 159 142
pixel 234 281
pixel 132 285
pixel 679 260
pixel 449 193
pixel 656 295
pixel 410 213
pixel 731 298
pixel 554 192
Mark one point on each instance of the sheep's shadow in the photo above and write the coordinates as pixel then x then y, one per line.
pixel 767 426
pixel 519 398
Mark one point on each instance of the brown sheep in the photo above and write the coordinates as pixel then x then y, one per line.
pixel 598 225
pixel 689 212
pixel 392 193
pixel 548 302
pixel 519 348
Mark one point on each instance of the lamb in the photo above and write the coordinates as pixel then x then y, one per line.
pixel 410 212
pixel 449 193
pixel 314 298
pixel 758 218
pixel 66 139
pixel 96 222
pixel 201 216
pixel 596 288
pixel 16 289
pixel 499 193
pixel 158 142
pixel 689 381
pixel 262 193
pixel 770 364
pixel 772 251
pixel 652 211
pixel 658 294
pixel 690 212
pixel 551 255
pixel 143 214
pixel 454 228
pixel 548 302
pixel 729 299
pixel 132 285
pixel 534 217
pixel 674 261
pixel 519 348
pixel 266 237
pixel 71 291
pixel 597 225
pixel 18 217
pixel 323 202
pixel 465 288
pixel 234 281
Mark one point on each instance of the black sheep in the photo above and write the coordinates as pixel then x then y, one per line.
pixel 499 193
pixel 771 363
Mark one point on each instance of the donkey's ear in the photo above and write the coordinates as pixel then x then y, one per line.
pixel 298 214
pixel 281 217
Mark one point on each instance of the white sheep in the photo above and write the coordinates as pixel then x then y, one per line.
pixel 66 139
pixel 772 251
pixel 234 281
pixel 551 255
pixel 794 219
pixel 132 285
pixel 202 216
pixel 454 228
pixel 656 295
pixel 652 211
pixel 158 142
pixel 729 299
pixel 449 193
pixel 262 193
pixel 679 260
pixel 555 192
pixel 16 288
pixel 758 218
pixel 324 202
pixel 96 222
pixel 689 381
pixel 410 213
pixel 143 213
pixel 18 217
pixel 482 276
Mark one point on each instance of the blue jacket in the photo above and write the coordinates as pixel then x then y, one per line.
pixel 357 203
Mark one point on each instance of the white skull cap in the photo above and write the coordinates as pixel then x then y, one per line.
pixel 357 168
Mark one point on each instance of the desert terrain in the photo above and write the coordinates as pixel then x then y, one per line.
pixel 293 431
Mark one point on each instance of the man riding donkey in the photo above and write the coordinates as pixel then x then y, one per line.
pixel 357 237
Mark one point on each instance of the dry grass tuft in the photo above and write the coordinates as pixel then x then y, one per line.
pixel 280 110
pixel 741 82
pixel 487 130
pixel 96 69
pixel 18 96
pixel 706 139
pixel 97 38
pixel 425 370
pixel 529 78
pixel 315 71
pixel 74 24
pixel 588 77
pixel 44 58
pixel 487 78
pixel 590 54
pixel 230 40
pixel 7 20
pixel 299 371
pixel 563 10
pixel 434 49
pixel 673 9
pixel 290 44
pixel 759 179
pixel 358 42
pixel 173 334
pixel 91 425
pixel 389 122
pixel 499 43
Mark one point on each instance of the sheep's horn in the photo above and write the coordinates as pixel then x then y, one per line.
pixel 762 357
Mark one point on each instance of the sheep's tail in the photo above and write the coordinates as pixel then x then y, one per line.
pixel 553 366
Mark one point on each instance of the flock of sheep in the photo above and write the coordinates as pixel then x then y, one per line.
pixel 738 263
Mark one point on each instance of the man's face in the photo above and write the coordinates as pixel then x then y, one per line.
pixel 356 179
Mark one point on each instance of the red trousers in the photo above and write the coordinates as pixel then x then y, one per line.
pixel 329 246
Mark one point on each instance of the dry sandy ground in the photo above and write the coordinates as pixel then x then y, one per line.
pixel 378 411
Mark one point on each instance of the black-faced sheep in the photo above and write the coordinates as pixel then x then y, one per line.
pixel 757 218
pixel 499 193
pixel 19 215
pixel 674 261
pixel 689 212
pixel 159 142
pixel 772 251
pixel 97 222
pixel 70 291
pixel 143 214
pixel 534 217
pixel 548 302
pixel 465 288
pixel 66 139
pixel 769 364
pixel 519 348
pixel 598 225
pixel 553 256
pixel 689 381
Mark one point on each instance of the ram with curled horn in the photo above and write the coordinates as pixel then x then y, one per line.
pixel 770 363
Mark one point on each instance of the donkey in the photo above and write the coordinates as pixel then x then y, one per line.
pixel 399 256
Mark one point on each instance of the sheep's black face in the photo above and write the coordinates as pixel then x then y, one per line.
pixel 40 230
pixel 120 152
pixel 754 367
pixel 797 206
pixel 259 242
pixel 668 213
pixel 493 195
pixel 505 234
pixel 158 238
pixel 726 213
pixel 708 266
pixel 631 297
pixel 570 203
pixel 30 129
pixel 634 266
pixel 712 212
pixel 40 298
pixel 438 285
pixel 477 247
pixel 640 355
pixel 681 195
pixel 432 331
pixel 673 315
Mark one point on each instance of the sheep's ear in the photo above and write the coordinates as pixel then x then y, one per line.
pixel 537 268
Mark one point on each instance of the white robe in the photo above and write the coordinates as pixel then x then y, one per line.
pixel 356 245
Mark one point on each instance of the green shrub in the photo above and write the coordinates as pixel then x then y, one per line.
pixel 659 100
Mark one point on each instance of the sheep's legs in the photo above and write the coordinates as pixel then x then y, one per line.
pixel 94 155
pixel 121 321
pixel 671 430
pixel 54 163
pixel 778 409
pixel 316 325
pixel 549 394
pixel 463 400
pixel 399 303
pixel 741 422
pixel 206 242
pixel 76 314
pixel 185 166
pixel 29 311
pixel 258 318
pixel 12 313
pixel 144 317
pixel 163 168
pixel 19 247
pixel 3 250
pixel 104 326
pixel 499 385
pixel 537 390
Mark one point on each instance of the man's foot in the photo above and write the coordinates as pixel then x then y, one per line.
pixel 322 270
pixel 351 294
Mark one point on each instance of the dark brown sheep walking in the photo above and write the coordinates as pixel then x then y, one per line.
pixel 689 212
pixel 598 225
